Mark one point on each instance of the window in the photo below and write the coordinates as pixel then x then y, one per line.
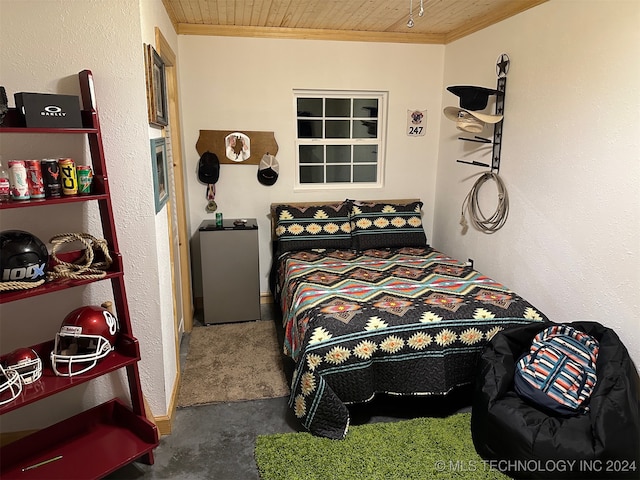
pixel 340 138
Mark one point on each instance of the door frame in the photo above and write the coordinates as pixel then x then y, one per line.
pixel 168 56
pixel 182 256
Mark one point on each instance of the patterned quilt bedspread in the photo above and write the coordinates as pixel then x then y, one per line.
pixel 404 321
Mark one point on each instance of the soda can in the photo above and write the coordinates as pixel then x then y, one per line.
pixel 219 220
pixel 5 185
pixel 34 178
pixel 18 180
pixel 51 177
pixel 85 178
pixel 68 176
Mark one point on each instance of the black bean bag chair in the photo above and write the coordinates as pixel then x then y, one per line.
pixel 525 442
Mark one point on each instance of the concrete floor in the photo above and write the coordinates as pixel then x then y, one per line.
pixel 216 442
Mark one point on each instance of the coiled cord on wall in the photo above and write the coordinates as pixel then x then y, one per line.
pixel 471 203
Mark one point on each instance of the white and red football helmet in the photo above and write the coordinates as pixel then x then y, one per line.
pixel 10 385
pixel 87 334
pixel 26 362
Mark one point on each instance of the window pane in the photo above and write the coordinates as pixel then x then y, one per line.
pixel 365 107
pixel 340 137
pixel 338 107
pixel 311 153
pixel 365 173
pixel 365 129
pixel 309 107
pixel 338 173
pixel 309 128
pixel 338 153
pixel 365 153
pixel 337 129
pixel 312 174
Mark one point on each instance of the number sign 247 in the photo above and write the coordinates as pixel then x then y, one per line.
pixel 416 122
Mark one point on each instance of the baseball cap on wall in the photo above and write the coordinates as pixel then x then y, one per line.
pixel 208 168
pixel 268 170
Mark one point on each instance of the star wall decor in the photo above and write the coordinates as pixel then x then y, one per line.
pixel 502 66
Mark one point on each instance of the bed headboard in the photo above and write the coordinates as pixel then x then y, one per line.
pixel 272 210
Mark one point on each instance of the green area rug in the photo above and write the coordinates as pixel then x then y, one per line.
pixel 420 449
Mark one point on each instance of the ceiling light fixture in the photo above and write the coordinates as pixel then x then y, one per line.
pixel 411 23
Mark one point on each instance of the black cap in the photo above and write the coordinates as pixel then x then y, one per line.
pixel 208 168
pixel 472 97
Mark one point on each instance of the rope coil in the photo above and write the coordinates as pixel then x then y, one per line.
pixel 6 286
pixel 471 203
pixel 84 267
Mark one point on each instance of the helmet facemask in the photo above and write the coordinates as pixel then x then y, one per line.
pixel 10 385
pixel 74 355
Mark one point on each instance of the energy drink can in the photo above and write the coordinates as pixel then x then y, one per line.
pixel 34 178
pixel 68 176
pixel 219 220
pixel 85 178
pixel 51 177
pixel 18 180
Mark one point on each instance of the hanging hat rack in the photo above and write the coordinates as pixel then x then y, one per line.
pixel 497 128
pixel 502 67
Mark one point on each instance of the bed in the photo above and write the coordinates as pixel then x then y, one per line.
pixel 368 307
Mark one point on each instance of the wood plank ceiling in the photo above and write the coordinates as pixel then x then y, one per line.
pixel 359 20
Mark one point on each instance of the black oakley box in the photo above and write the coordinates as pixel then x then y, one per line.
pixel 47 110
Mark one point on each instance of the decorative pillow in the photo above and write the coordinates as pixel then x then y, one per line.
pixel 380 225
pixel 300 228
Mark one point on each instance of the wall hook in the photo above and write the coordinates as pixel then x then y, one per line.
pixel 476 163
pixel 476 138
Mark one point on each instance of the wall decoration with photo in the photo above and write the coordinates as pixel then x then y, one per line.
pixel 160 173
pixel 156 88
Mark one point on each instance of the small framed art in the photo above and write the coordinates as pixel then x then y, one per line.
pixel 156 88
pixel 160 174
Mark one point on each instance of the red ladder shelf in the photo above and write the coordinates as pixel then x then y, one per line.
pixel 100 440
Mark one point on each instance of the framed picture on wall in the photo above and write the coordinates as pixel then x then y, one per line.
pixel 156 88
pixel 160 174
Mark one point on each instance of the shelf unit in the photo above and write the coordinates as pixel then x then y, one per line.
pixel 111 435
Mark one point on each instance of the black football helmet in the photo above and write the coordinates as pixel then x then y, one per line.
pixel 23 257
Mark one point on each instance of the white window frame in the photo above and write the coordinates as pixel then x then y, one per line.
pixel 379 141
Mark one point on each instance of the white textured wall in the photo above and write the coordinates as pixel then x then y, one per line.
pixel 570 161
pixel 152 15
pixel 247 84
pixel 44 45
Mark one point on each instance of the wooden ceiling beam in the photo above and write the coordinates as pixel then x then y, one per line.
pixel 308 34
